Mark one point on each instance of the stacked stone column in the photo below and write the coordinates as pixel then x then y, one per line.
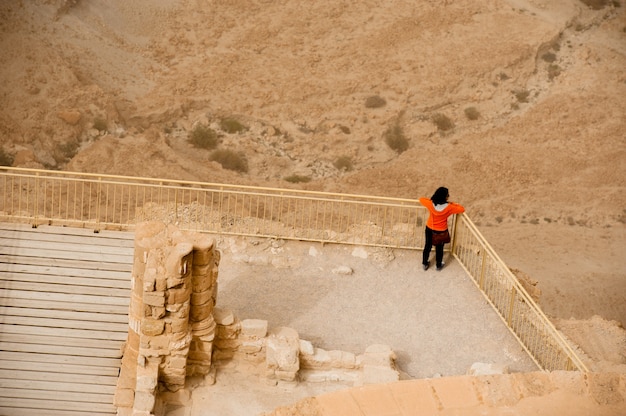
pixel 171 325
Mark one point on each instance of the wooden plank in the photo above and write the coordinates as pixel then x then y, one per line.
pixel 70 333
pixel 25 302
pixel 69 401
pixel 56 395
pixel 57 386
pixel 65 297
pixel 56 377
pixel 65 254
pixel 61 279
pixel 53 229
pixel 58 368
pixel 15 411
pixel 100 362
pixel 70 263
pixel 64 323
pixel 29 338
pixel 11 284
pixel 84 246
pixel 87 274
pixel 69 235
pixel 59 350
pixel 56 314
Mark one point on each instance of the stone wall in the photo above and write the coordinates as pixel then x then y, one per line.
pixel 279 356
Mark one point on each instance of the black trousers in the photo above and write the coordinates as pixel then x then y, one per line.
pixel 428 244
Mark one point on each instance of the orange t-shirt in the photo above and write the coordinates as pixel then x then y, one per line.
pixel 438 219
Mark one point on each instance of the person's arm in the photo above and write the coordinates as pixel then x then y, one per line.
pixel 426 202
pixel 456 208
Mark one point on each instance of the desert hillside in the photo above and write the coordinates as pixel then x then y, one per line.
pixel 517 106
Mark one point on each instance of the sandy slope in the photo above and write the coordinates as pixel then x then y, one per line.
pixel 541 170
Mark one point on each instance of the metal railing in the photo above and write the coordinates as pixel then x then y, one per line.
pixel 118 202
pixel 511 301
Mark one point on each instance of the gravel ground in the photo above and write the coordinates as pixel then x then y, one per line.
pixel 348 298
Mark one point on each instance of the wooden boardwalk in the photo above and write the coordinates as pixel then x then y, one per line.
pixel 64 295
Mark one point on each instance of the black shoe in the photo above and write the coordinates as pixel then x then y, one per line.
pixel 426 266
pixel 440 266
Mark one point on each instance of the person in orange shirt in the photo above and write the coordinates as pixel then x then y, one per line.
pixel 440 209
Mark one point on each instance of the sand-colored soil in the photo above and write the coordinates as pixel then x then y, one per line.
pixel 535 92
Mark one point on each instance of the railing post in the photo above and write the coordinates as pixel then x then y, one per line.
pixel 481 280
pixel 98 200
pixel 37 199
pixel 511 306
pixel 454 227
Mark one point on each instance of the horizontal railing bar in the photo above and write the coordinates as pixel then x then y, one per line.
pixel 132 180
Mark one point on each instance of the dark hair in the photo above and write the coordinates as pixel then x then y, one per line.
pixel 440 196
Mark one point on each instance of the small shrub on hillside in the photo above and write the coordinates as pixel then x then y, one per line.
pixel 522 95
pixel 345 129
pixel 5 158
pixel 100 124
pixel 203 137
pixel 343 163
pixel 595 4
pixel 395 139
pixel 472 113
pixel 232 125
pixel 297 178
pixel 442 122
pixel 549 57
pixel 554 71
pixel 230 160
pixel 503 76
pixel 67 151
pixel 375 101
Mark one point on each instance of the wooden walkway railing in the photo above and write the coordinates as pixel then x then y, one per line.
pixel 64 297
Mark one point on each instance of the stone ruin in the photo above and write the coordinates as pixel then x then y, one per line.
pixel 175 331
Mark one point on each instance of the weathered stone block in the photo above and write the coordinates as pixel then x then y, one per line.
pixel 179 325
pixel 178 294
pixel 201 356
pixel 144 401
pixel 253 328
pixel 124 397
pixel 157 312
pixel 379 354
pixel 223 317
pixel 201 270
pixel 198 345
pixel 178 260
pixel 201 283
pixel 161 284
pixel 250 347
pixel 152 327
pixel 177 361
pixel 201 313
pixel 154 298
pixel 200 298
pixel 146 382
pixel 202 255
pixel 306 348
pixel 321 359
pixel 286 375
pixel 282 350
